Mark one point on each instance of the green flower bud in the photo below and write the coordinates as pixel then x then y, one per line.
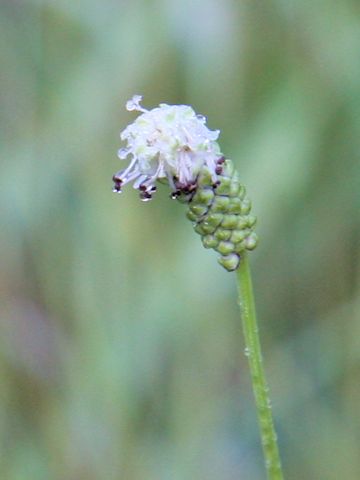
pixel 246 206
pixel 222 234
pixel 230 262
pixel 224 187
pixel 251 241
pixel 214 219
pixel 226 224
pixel 230 221
pixel 225 248
pixel 191 216
pixel 198 210
pixel 220 204
pixel 209 241
pixel 251 220
pixel 238 236
pixel 204 196
pixel 235 205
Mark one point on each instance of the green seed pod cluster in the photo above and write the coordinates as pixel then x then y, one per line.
pixel 220 213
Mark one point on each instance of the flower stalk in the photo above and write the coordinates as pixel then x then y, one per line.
pixel 173 145
pixel 259 383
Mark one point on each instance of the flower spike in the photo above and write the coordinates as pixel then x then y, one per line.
pixel 171 143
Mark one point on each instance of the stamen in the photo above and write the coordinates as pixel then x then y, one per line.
pixel 130 166
pixel 117 184
pixel 145 196
pixel 139 181
pixel 130 176
pixel 171 179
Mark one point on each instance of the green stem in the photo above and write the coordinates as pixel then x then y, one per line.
pixel 260 388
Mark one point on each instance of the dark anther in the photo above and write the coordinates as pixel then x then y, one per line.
pixel 117 183
pixel 145 196
pixel 153 189
pixel 218 170
pixel 221 160
pixel 142 187
pixel 116 188
pixel 216 184
pixel 116 177
pixel 175 194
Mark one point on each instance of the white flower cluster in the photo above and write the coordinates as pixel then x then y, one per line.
pixel 168 142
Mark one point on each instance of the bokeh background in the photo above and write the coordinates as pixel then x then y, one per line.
pixel 121 351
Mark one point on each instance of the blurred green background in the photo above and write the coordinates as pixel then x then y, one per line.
pixel 121 353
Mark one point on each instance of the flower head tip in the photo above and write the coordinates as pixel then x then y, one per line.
pixel 168 142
